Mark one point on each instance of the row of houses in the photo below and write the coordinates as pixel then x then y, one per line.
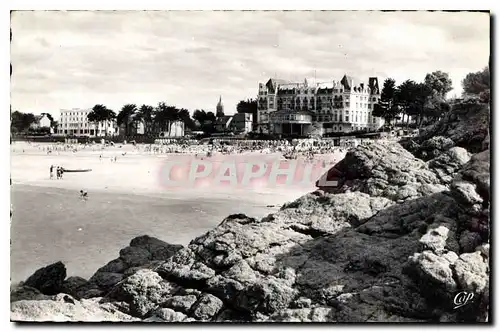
pixel 74 122
pixel 239 123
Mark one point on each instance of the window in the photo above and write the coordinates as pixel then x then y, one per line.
pixel 346 104
pixel 347 118
pixel 374 99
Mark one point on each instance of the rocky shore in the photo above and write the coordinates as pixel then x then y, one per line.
pixel 405 230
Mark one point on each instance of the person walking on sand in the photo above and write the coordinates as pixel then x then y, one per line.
pixel 51 172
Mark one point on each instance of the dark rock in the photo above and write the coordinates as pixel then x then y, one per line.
pixel 114 266
pixel 49 279
pixel 434 147
pixel 135 256
pixel 207 307
pixel 158 249
pixel 72 285
pixel 180 303
pixel 27 293
pixel 106 280
pixel 469 241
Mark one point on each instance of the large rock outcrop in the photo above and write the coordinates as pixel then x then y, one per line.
pixel 382 169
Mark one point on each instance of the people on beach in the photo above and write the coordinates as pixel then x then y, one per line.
pixel 83 195
pixel 59 172
pixel 51 172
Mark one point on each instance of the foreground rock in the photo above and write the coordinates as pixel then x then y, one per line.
pixel 64 308
pixel 48 280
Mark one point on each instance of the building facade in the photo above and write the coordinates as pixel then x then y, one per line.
pixel 222 123
pixel 241 123
pixel 41 121
pixel 301 108
pixel 75 122
pixel 174 129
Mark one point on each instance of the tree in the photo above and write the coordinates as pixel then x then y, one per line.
pixel 146 115
pixel 99 114
pixel 125 115
pixel 186 118
pixel 405 97
pixel 165 116
pixel 440 82
pixel 172 115
pixel 200 116
pixel 211 117
pixel 437 85
pixel 20 122
pixel 386 107
pixel 477 83
pixel 248 106
pixel 109 116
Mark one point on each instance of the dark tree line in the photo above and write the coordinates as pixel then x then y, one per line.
pixel 20 122
pixel 155 119
pixel 424 100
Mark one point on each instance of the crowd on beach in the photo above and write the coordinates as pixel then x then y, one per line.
pixel 304 148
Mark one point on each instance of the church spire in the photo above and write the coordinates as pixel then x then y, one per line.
pixel 220 107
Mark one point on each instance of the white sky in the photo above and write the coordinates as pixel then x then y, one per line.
pixel 79 59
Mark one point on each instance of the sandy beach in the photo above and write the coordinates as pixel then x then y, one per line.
pixel 126 199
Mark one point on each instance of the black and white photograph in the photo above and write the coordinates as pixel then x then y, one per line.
pixel 250 166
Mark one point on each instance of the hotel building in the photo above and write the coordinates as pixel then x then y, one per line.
pixel 301 108
pixel 75 122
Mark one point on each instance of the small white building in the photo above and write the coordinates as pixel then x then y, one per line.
pixel 174 129
pixel 40 122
